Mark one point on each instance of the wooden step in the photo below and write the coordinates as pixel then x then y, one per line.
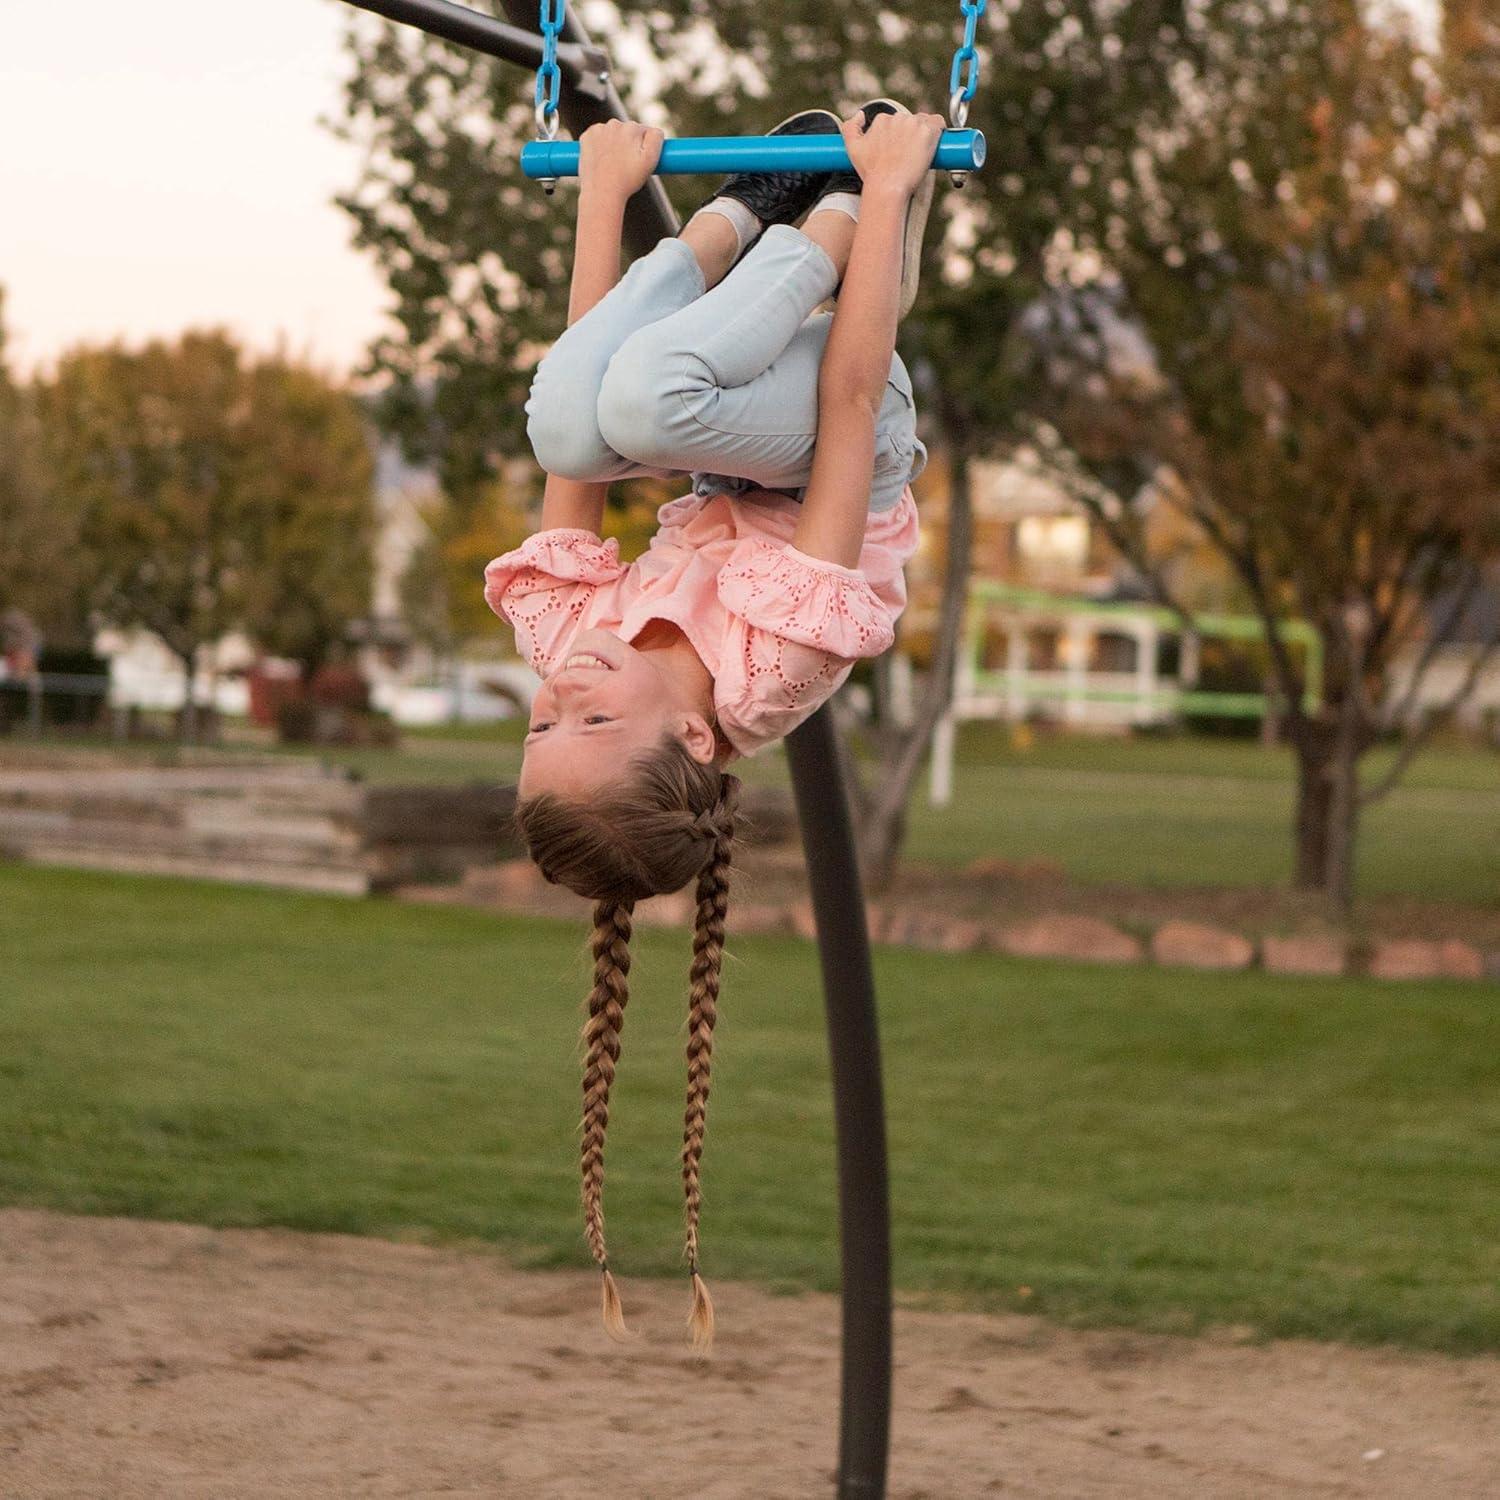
pixel 152 842
pixel 323 878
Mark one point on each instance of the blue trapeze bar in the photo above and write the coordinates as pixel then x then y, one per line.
pixel 958 151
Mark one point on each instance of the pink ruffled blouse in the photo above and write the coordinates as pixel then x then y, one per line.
pixel 778 631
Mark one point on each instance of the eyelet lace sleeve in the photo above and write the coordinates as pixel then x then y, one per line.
pixel 544 586
pixel 796 627
pixel 802 599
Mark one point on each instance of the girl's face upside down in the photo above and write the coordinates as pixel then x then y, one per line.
pixel 605 703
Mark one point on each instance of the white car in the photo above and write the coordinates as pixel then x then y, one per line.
pixel 476 693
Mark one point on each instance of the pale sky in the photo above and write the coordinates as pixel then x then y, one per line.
pixel 162 167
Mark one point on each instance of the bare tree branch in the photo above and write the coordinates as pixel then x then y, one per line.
pixel 1413 745
pixel 1060 464
pixel 1439 638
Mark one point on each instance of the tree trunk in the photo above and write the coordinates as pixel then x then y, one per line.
pixel 1315 795
pixel 882 830
pixel 187 724
pixel 1327 818
pixel 1353 738
pixel 880 841
pixel 1343 826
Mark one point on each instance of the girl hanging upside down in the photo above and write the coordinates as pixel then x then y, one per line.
pixel 761 588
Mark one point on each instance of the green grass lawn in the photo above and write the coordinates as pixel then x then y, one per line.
pixel 1135 1147
pixel 1204 812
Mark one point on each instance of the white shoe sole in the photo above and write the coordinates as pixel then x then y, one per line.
pixel 911 248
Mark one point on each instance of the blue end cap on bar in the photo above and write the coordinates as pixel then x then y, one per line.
pixel 958 151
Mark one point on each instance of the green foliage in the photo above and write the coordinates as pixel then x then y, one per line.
pixel 474 255
pixel 1143 1148
pixel 442 587
pixel 213 493
pixel 307 484
pixel 41 570
pixel 146 444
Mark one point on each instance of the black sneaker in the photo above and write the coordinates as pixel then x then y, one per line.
pixel 783 197
pixel 916 211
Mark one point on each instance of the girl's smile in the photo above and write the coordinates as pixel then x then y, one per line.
pixel 606 703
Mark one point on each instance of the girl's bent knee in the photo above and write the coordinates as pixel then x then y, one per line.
pixel 638 415
pixel 567 443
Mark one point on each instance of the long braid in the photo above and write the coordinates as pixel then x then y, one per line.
pixel 703 1010
pixel 670 819
pixel 601 1035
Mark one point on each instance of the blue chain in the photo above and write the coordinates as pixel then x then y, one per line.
pixel 963 81
pixel 549 75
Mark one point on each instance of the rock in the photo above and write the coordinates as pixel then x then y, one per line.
pixel 1406 958
pixel 1192 945
pixel 1460 960
pixel 1417 958
pixel 1057 935
pixel 1305 955
pixel 990 867
pixel 1492 964
pixel 1041 869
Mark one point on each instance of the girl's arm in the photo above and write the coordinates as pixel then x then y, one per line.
pixel 891 158
pixel 616 159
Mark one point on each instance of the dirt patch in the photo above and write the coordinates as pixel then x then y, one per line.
pixel 163 1361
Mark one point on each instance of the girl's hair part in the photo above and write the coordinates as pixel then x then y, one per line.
pixel 668 819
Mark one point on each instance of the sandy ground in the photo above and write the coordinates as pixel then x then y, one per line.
pixel 166 1360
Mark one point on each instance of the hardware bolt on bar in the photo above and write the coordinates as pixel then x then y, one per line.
pixel 958 151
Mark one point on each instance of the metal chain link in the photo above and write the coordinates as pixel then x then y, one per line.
pixel 963 80
pixel 549 75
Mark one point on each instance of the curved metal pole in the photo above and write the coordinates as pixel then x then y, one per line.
pixel 858 1103
pixel 833 875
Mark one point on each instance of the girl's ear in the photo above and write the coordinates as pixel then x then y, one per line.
pixel 698 735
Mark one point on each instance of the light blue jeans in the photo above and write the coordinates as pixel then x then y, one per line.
pixel 663 378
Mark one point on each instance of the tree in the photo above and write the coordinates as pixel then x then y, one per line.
pixel 442 587
pixel 1313 257
pixel 213 494
pixel 40 567
pixel 306 489
pixel 477 258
